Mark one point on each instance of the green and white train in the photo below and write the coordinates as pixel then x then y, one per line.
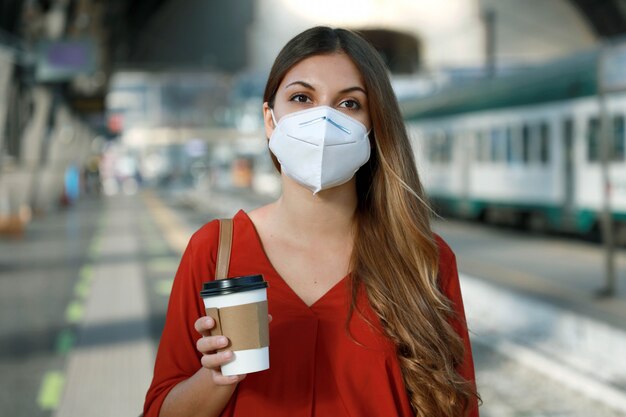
pixel 523 149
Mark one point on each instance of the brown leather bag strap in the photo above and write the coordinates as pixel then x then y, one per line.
pixel 223 250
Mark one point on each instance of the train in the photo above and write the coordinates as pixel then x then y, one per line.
pixel 524 149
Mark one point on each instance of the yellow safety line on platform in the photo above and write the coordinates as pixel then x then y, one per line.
pixel 53 382
pixel 51 390
pixel 74 312
pixel 86 273
pixel 65 341
pixel 94 248
pixel 175 232
pixel 83 285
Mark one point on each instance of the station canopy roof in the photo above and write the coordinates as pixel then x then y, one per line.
pixel 606 17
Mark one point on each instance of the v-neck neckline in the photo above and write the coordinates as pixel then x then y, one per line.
pixel 261 249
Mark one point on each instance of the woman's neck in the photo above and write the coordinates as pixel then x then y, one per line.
pixel 310 218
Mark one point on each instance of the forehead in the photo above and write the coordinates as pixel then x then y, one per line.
pixel 331 70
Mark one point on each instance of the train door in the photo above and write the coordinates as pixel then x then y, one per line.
pixel 568 173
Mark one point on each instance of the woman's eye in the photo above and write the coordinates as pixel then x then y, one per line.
pixel 350 104
pixel 300 98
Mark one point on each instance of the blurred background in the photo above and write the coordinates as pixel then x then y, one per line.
pixel 127 124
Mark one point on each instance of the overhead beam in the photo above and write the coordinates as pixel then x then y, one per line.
pixel 607 18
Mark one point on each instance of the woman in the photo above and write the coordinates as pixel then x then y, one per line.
pixel 367 312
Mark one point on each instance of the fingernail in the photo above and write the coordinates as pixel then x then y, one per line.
pixel 227 355
pixel 222 340
pixel 209 321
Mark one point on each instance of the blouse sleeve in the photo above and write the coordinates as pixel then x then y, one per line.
pixel 449 280
pixel 177 358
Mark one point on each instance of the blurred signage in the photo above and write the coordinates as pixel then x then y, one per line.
pixel 88 104
pixel 59 61
pixel 115 123
pixel 196 148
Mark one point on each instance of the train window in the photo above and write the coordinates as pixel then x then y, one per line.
pixel 492 146
pixel 509 143
pixel 487 147
pixel 544 143
pixel 619 145
pixel 438 139
pixel 424 147
pixel 514 154
pixel 593 133
pixel 484 147
pixel 498 145
pixel 478 147
pixel 447 147
pixel 440 147
pixel 430 147
pixel 525 144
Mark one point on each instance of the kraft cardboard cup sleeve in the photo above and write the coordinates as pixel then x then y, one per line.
pixel 239 308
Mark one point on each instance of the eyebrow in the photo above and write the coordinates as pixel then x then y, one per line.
pixel 310 87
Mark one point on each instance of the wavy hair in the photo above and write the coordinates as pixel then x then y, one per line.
pixel 395 256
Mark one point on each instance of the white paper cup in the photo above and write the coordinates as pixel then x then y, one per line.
pixel 241 305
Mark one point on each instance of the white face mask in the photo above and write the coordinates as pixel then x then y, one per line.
pixel 320 148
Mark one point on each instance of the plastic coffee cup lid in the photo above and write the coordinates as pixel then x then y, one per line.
pixel 232 285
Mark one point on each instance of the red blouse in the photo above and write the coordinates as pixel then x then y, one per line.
pixel 316 368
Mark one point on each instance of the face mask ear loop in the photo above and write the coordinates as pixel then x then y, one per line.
pixel 273 119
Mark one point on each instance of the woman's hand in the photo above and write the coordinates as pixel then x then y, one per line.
pixel 212 360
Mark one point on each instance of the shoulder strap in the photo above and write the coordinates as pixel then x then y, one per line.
pixel 223 250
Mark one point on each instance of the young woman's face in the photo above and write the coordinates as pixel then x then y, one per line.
pixel 321 80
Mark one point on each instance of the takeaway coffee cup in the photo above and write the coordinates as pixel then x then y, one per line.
pixel 239 308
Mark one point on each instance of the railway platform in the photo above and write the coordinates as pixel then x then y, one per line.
pixel 84 294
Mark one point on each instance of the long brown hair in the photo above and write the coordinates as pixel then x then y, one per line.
pixel 393 219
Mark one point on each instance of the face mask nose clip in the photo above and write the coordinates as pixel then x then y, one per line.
pixel 338 126
pixel 310 122
pixel 329 120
